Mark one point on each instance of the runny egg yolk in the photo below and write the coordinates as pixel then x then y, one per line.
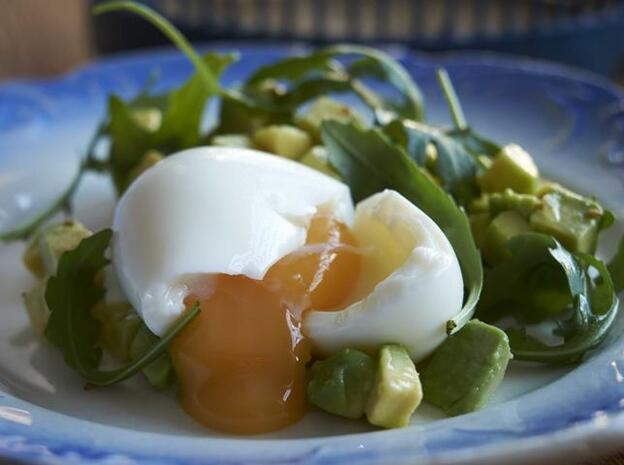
pixel 241 361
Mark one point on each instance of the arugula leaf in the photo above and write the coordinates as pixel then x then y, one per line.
pixel 454 164
pixel 293 68
pixel 616 267
pixel 320 73
pixel 369 163
pixel 178 130
pixel 157 20
pixel 462 133
pixel 71 294
pixel 474 143
pixel 380 65
pixel 507 289
pixel 182 118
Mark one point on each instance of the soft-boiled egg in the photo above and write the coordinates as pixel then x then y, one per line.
pixel 213 210
pixel 410 283
pixel 281 266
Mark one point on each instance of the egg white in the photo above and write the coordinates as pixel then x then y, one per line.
pixel 213 210
pixel 410 286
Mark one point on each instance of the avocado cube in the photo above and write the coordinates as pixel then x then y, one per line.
pixel 467 368
pixel 160 372
pixel 480 204
pixel 149 119
pixel 42 254
pixel 525 204
pixel 283 140
pixel 36 307
pixel 502 228
pixel 512 168
pixel 479 223
pixel 397 391
pixel 341 384
pixel 571 219
pixel 325 108
pixel 118 328
pixel 316 158
pixel 232 140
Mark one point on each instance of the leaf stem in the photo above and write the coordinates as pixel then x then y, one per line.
pixel 26 230
pixel 457 113
pixel 107 378
pixel 169 30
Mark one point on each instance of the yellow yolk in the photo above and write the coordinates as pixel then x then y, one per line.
pixel 241 361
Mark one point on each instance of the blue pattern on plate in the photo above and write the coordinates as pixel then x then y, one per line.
pixel 577 405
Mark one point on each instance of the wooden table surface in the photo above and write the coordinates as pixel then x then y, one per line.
pixel 44 38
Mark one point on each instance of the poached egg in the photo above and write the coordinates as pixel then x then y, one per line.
pixel 282 265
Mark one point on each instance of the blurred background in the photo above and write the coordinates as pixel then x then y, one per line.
pixel 39 37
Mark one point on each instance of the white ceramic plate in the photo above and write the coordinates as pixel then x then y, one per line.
pixel 571 121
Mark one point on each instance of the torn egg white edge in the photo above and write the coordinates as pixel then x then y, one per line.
pixel 163 303
pixel 329 331
pixel 391 312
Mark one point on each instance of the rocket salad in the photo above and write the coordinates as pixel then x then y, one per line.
pixel 517 249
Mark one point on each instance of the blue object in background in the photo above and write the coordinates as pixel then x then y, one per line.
pixel 584 33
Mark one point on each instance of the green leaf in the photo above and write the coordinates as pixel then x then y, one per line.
pixel 179 128
pixel 308 89
pixel 454 165
pixel 182 118
pixel 507 292
pixel 616 267
pixel 210 79
pixel 71 295
pixel 292 68
pixel 462 133
pixel 369 163
pixel 476 144
pixel 319 73
pixel 377 64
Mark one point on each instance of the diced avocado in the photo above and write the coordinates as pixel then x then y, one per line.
pixel 124 335
pixel 284 140
pixel 160 372
pixel 150 158
pixel 149 119
pixel 431 157
pixel 119 326
pixel 512 168
pixel 525 204
pixel 572 219
pixel 316 158
pixel 36 307
pixel 32 258
pixel 467 368
pixel 232 140
pixel 502 228
pixel 42 254
pixel 325 108
pixel 396 392
pixel 341 384
pixel 479 223
pixel 480 204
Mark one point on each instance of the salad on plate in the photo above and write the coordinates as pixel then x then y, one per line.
pixel 304 253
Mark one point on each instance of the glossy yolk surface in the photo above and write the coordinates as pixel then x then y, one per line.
pixel 241 361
